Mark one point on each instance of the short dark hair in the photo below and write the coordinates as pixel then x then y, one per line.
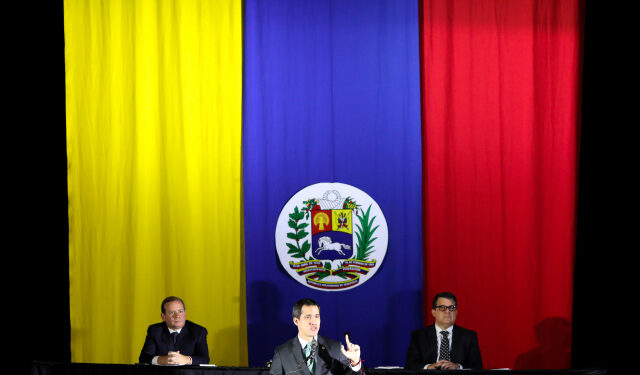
pixel 171 299
pixel 447 295
pixel 297 307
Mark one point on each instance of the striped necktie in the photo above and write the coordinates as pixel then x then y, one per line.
pixel 310 361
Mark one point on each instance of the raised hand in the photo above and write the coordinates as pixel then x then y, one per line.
pixel 352 352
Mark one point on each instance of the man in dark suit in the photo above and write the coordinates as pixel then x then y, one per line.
pixel 175 341
pixel 311 354
pixel 444 345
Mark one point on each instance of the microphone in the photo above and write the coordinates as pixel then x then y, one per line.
pixel 312 352
pixel 314 347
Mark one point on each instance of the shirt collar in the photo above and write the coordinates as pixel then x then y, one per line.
pixel 304 342
pixel 450 330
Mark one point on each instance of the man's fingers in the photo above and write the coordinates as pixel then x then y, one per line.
pixel 346 338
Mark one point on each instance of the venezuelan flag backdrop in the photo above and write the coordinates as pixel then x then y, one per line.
pixel 191 123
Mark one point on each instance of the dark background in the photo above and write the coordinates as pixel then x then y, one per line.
pixel 38 231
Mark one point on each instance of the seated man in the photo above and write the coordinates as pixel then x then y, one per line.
pixel 444 345
pixel 311 354
pixel 175 341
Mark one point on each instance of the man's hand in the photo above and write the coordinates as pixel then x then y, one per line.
pixel 444 365
pixel 174 358
pixel 352 352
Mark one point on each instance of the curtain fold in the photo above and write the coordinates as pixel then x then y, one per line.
pixel 500 100
pixel 154 172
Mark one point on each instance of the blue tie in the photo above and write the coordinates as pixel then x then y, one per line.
pixel 172 342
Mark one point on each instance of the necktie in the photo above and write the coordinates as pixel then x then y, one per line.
pixel 444 346
pixel 172 341
pixel 310 361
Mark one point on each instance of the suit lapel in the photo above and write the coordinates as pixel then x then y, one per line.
pixel 296 350
pixel 183 333
pixel 432 342
pixel 455 345
pixel 321 366
pixel 166 337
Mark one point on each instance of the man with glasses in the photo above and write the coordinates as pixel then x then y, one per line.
pixel 175 341
pixel 444 345
pixel 311 354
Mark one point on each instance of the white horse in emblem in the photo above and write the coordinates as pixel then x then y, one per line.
pixel 326 243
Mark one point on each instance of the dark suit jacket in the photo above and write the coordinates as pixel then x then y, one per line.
pixel 423 349
pixel 288 359
pixel 191 341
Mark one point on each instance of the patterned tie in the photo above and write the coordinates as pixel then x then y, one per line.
pixel 310 361
pixel 172 341
pixel 444 346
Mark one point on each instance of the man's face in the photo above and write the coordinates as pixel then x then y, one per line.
pixel 174 314
pixel 309 322
pixel 444 319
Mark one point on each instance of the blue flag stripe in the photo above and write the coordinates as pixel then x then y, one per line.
pixel 332 95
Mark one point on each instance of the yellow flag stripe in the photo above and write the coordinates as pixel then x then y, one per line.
pixel 153 105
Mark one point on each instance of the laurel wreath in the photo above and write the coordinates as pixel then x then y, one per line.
pixel 365 235
pixel 296 250
pixel 364 248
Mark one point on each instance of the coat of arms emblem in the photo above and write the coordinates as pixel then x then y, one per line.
pixel 331 236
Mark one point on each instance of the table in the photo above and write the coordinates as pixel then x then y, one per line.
pixel 49 368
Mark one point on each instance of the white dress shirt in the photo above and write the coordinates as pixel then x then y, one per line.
pixel 439 336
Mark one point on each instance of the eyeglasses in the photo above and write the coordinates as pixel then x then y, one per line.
pixel 445 308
